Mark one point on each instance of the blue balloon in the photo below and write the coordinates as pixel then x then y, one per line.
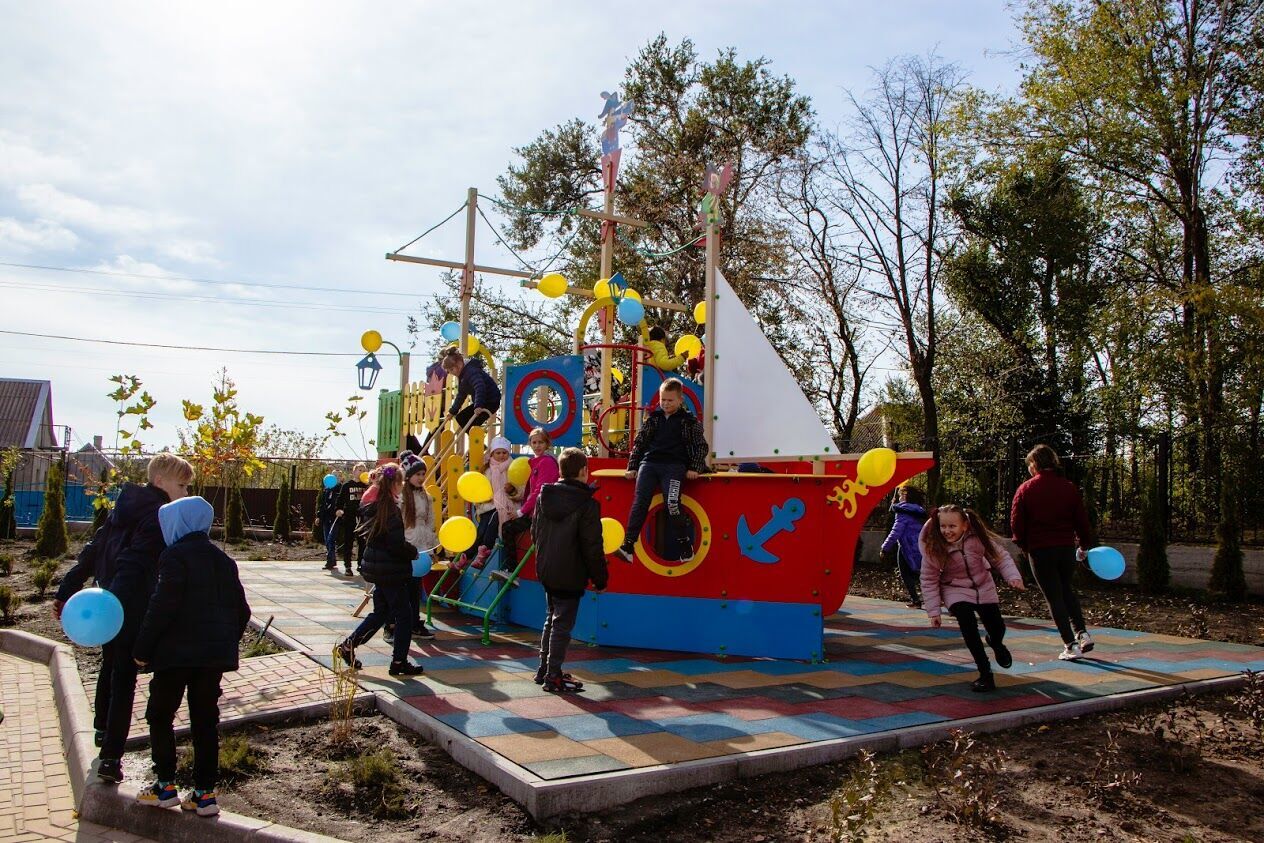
pixel 631 312
pixel 422 564
pixel 92 617
pixel 1106 562
pixel 451 331
pixel 330 481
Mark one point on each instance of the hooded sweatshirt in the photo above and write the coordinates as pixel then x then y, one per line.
pixel 136 568
pixel 965 576
pixel 198 611
pixel 909 518
pixel 567 533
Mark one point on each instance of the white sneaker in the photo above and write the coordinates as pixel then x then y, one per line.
pixel 1070 652
pixel 1085 641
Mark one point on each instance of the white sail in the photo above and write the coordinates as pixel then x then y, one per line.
pixel 760 409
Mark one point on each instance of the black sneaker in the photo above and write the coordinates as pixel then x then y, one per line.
pixel 423 633
pixel 686 553
pixel 388 635
pixel 110 770
pixel 329 566
pixel 1003 656
pixel 562 684
pixel 405 669
pixel 625 553
pixel 347 654
pixel 983 684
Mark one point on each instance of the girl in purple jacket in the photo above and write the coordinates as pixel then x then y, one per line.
pixel 959 553
pixel 901 542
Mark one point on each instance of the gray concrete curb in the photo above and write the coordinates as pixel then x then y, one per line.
pixel 279 637
pixel 116 806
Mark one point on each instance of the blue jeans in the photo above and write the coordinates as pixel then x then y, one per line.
pixel 655 477
pixel 331 543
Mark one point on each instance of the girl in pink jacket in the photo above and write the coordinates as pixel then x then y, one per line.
pixel 959 553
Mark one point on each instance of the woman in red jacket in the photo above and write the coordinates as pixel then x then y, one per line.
pixel 1049 521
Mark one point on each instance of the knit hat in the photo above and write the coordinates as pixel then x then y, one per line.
pixel 410 464
pixel 499 442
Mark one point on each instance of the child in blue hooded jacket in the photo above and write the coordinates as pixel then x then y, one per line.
pixel 910 515
pixel 189 639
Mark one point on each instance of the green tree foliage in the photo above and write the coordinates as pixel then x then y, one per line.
pixel 51 538
pixel 1153 573
pixel 9 460
pixel 281 523
pixel 1227 576
pixel 1024 271
pixel 223 445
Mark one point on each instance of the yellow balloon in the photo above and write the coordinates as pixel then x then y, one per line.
pixel 457 534
pixel 876 466
pixel 688 345
pixel 520 471
pixel 472 345
pixel 601 290
pixel 371 341
pixel 364 477
pixel 552 285
pixel 700 313
pixel 616 373
pixel 474 487
pixel 612 534
pixel 629 293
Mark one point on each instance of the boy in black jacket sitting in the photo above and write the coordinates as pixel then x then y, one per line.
pixel 567 532
pixel 669 449
pixel 189 638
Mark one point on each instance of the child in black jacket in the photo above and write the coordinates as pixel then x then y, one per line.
pixel 669 449
pixel 327 514
pixel 189 637
pixel 388 564
pixel 567 532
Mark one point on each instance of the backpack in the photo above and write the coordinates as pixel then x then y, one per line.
pixel 102 552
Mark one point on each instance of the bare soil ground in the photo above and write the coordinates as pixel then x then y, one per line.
pixel 1190 770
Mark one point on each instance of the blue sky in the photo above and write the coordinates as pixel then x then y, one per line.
pixel 295 144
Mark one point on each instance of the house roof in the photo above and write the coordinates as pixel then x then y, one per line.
pixel 26 414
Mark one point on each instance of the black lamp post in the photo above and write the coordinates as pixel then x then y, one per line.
pixel 367 370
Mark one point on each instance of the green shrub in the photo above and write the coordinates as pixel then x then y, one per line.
pixel 1153 573
pixel 51 538
pixel 281 524
pixel 376 781
pixel 42 575
pixel 234 530
pixel 1227 576
pixel 238 760
pixel 10 602
pixel 261 647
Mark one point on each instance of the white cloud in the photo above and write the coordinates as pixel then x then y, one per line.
pixel 51 202
pixel 37 236
pixel 22 161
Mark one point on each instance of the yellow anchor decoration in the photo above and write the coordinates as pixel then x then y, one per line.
pixel 844 497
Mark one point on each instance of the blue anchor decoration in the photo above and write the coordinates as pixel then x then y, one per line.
pixel 782 521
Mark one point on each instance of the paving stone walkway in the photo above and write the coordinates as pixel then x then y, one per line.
pixel 36 802
pixel 887 670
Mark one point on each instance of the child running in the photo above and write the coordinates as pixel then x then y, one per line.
pixel 388 564
pixel 910 515
pixel 959 553
pixel 189 637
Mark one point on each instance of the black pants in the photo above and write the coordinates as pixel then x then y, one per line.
pixel 488 529
pixel 390 603
pixel 668 478
pixel 416 599
pixel 165 692
pixel 990 614
pixel 101 703
pixel 559 620
pixel 510 532
pixel 1054 568
pixel 349 535
pixel 121 685
pixel 463 418
pixel 912 579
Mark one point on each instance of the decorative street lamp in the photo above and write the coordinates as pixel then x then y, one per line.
pixel 367 370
